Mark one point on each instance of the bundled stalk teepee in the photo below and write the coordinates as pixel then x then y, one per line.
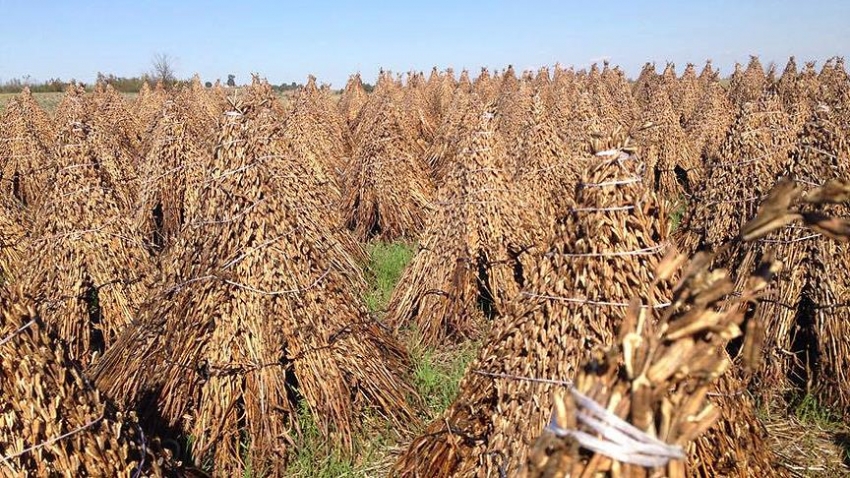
pixel 317 134
pixel 542 162
pixel 707 127
pixel 638 410
pixel 750 159
pixel 85 262
pixel 573 301
pixel 171 172
pixel 52 422
pixel 258 314
pixel 469 261
pixel 746 85
pixel 315 127
pixel 650 398
pixel 673 167
pixel 387 190
pixel 15 225
pixel 352 100
pixel 25 141
pixel 806 323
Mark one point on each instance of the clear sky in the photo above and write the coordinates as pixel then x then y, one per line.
pixel 286 41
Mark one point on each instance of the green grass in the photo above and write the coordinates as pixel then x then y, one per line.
pixel 810 411
pixel 314 458
pixel 386 263
pixel 680 207
pixel 437 374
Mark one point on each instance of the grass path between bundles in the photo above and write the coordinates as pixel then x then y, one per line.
pixel 436 375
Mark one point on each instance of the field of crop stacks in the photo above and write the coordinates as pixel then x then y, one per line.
pixel 550 273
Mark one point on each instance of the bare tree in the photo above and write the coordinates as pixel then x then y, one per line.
pixel 163 70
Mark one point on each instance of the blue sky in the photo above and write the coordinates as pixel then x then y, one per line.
pixel 286 41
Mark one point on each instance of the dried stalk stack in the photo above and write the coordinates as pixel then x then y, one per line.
pixel 439 91
pixel 543 164
pixel 52 423
pixel 85 264
pixel 574 298
pixel 387 190
pixel 687 95
pixel 812 320
pixel 25 142
pixel 470 259
pixel 352 100
pixel 259 312
pixel 171 173
pixel 613 97
pixel 315 131
pixel 111 113
pixel 15 225
pixel 486 86
pixel 645 84
pixel 751 157
pixel 148 105
pixel 706 130
pixel 708 75
pixel 444 148
pixel 673 167
pixel 72 106
pixel 262 96
pixel 834 82
pixel 419 120
pixel 657 379
pixel 513 101
pixel 747 85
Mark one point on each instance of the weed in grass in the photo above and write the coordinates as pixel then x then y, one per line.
pixel 386 263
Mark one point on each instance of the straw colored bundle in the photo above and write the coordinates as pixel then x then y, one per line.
pixel 573 300
pixel 52 422
pixel 171 172
pixel 353 98
pixel 708 75
pixel 25 142
pixel 15 225
pixel 651 389
pixel 834 82
pixel 614 101
pixel 811 320
pixel 633 412
pixel 645 83
pixel 439 91
pixel 148 104
pixel 750 159
pixel 687 95
pixel 387 190
pixel 748 84
pixel 542 163
pixel 317 132
pixel 419 119
pixel 72 106
pixel 258 313
pixel 706 130
pixel 673 167
pixel 111 113
pixel 469 261
pixel 443 149
pixel 85 262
